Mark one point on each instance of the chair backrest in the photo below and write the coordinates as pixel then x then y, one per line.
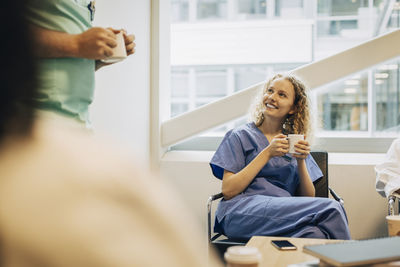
pixel 321 185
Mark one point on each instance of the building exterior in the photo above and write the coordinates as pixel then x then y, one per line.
pixel 219 47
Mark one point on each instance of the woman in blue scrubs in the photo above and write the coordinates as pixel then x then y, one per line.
pixel 266 190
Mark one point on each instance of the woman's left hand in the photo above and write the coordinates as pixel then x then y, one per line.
pixel 302 147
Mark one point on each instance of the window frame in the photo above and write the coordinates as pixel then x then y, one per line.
pixel 206 142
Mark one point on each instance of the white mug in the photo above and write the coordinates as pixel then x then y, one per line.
pixel 119 52
pixel 242 256
pixel 294 139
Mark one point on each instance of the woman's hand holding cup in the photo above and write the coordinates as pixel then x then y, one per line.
pixel 279 146
pixel 299 147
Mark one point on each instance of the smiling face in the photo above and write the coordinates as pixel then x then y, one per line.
pixel 279 99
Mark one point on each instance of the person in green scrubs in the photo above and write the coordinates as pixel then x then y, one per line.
pixel 70 51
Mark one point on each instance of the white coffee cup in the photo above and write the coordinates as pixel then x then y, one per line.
pixel 241 256
pixel 293 140
pixel 119 52
pixel 393 222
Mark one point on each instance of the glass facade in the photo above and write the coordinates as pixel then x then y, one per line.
pixel 365 104
pixel 386 82
pixel 344 105
pixel 211 9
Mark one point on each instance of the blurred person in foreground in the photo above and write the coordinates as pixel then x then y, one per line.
pixel 60 206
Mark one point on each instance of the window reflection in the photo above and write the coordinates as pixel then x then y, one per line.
pixel 251 9
pixel 211 9
pixel 179 10
pixel 386 84
pixel 344 107
pixel 211 82
pixel 180 82
pixel 366 103
pixel 197 86
pixel 289 9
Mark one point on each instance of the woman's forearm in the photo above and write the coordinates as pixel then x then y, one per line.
pixel 306 186
pixel 234 183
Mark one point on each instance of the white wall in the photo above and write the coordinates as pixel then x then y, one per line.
pixel 121 105
pixel 351 175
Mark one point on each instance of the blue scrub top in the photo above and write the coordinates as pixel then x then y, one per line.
pixel 267 206
pixel 279 177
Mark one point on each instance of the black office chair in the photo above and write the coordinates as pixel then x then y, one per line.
pixel 322 189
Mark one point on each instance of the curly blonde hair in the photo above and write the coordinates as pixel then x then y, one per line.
pixel 296 123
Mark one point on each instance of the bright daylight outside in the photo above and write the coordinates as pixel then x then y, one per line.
pixel 219 47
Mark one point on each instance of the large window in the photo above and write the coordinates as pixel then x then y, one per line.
pixel 344 107
pixel 366 104
pixel 386 81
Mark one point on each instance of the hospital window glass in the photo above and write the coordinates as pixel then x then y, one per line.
pixel 386 81
pixel 345 106
pixel 338 24
pixel 211 9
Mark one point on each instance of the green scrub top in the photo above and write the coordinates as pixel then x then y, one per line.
pixel 66 84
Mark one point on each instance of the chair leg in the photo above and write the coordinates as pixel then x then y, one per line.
pixel 336 196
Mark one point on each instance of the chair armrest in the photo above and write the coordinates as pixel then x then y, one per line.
pixel 209 205
pixel 216 196
pixel 336 196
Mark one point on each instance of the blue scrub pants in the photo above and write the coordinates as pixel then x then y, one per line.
pixel 306 217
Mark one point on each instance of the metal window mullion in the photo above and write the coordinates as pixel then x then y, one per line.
pixel 270 9
pixel 192 89
pixel 371 105
pixel 230 87
pixel 385 17
pixel 310 9
pixel 230 81
pixel 192 10
pixel 314 110
pixel 232 9
pixel 371 22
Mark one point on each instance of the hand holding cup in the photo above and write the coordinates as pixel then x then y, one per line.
pixel 279 146
pixel 298 147
pixel 119 51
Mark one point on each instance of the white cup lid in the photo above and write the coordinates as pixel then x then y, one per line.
pixel 393 217
pixel 242 254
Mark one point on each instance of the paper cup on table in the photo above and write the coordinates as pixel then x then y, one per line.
pixel 241 256
pixel 119 52
pixel 393 222
pixel 294 139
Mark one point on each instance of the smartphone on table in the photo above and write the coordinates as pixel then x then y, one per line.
pixel 283 245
